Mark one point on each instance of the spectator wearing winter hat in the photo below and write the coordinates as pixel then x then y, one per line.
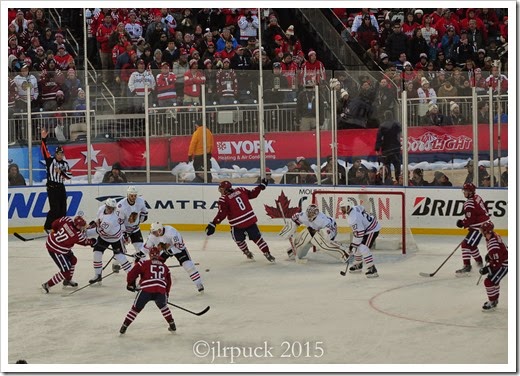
pixel 193 79
pixel 373 54
pixel 137 85
pixel 179 68
pixel 313 70
pixel 226 36
pixel 433 116
pixel 25 81
pixel 166 88
pixel 455 117
pixel 27 35
pixel 227 83
pixel 427 29
pixel 384 61
pixel 63 58
pixel 70 88
pixel 422 64
pixel 366 33
pixel 426 93
pixel 272 30
pixel 448 41
pixel 103 33
pixel 20 23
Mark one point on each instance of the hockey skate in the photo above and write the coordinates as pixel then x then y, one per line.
pixel 200 288
pixel 490 306
pixel 269 257
pixel 464 272
pixel 372 272
pixel 356 268
pixel 97 278
pixel 290 254
pixel 45 287
pixel 116 268
pixel 249 255
pixel 172 327
pixel 70 282
pixel 123 328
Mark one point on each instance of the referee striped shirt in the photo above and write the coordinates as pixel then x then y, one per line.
pixel 57 171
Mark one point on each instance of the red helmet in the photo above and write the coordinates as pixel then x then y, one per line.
pixel 154 253
pixel 487 227
pixel 226 185
pixel 470 187
pixel 79 222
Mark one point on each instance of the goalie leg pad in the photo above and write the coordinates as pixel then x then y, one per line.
pixel 332 248
pixel 288 230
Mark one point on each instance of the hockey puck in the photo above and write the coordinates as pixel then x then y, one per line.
pixel 207 270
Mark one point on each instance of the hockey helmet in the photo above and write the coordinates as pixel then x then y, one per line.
pixel 79 222
pixel 487 227
pixel 111 203
pixel 225 185
pixel 348 204
pixel 470 187
pixel 132 190
pixel 59 149
pixel 154 253
pixel 312 211
pixel 156 226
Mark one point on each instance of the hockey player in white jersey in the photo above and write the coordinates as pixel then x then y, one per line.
pixel 110 228
pixel 320 232
pixel 134 212
pixel 170 242
pixel 365 229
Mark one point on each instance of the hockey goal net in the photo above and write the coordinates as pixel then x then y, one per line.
pixel 389 207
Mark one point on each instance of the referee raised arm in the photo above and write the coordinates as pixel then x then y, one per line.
pixel 58 171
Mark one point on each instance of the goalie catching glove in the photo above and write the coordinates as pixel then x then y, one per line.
pixel 288 230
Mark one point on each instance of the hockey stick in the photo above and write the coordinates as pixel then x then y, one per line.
pixel 344 272
pixel 205 244
pixel 285 222
pixel 187 310
pixel 479 278
pixel 108 263
pixel 87 285
pixel 444 262
pixel 178 266
pixel 29 239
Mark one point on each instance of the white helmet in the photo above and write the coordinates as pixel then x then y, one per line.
pixel 132 190
pixel 111 203
pixel 348 204
pixel 156 226
pixel 312 211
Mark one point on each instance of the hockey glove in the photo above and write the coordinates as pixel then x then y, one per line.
pixel 264 183
pixel 486 257
pixel 210 229
pixel 485 270
pixel 92 242
pixel 460 223
pixel 143 217
pixel 92 224
pixel 126 239
pixel 311 231
pixel 139 255
pixel 131 287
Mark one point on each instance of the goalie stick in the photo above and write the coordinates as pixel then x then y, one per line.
pixel 285 221
pixel 17 235
pixel 444 262
pixel 187 310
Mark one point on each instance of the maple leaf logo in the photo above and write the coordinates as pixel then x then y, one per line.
pixel 281 203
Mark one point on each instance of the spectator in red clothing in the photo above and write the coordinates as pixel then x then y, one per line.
pixel 495 78
pixel 166 90
pixel 193 79
pixel 273 29
pixel 228 52
pixel 105 52
pixel 63 58
pixel 471 14
pixel 28 35
pixel 448 19
pixel 490 20
pixel 312 70
pixel 409 25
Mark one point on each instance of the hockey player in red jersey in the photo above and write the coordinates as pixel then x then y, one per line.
pixel 234 204
pixel 496 267
pixel 155 284
pixel 66 232
pixel 475 215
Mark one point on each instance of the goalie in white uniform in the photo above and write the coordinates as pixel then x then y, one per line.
pixel 365 229
pixel 320 232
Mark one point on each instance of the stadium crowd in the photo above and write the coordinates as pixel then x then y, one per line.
pixel 430 53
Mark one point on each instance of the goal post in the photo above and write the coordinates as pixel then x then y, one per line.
pixel 389 207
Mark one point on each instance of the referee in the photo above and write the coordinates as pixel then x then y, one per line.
pixel 58 171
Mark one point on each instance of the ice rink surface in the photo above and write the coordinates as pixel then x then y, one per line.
pixel 263 316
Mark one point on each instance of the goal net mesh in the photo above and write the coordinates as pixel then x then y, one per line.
pixel 388 207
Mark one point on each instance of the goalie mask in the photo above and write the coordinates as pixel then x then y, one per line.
pixel 312 211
